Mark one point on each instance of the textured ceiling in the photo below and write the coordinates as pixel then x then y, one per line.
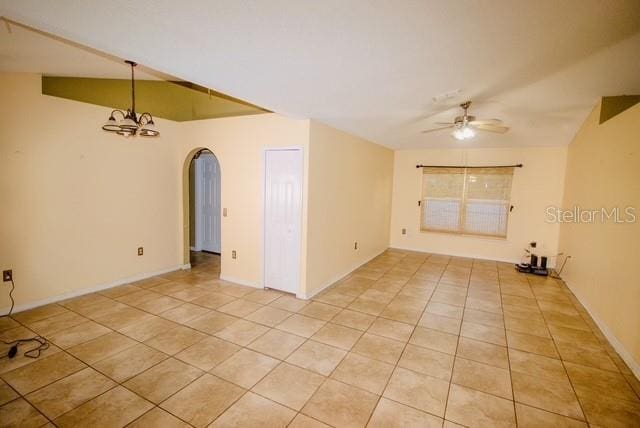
pixel 373 67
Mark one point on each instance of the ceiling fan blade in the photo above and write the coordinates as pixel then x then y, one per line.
pixel 486 122
pixel 426 131
pixel 492 128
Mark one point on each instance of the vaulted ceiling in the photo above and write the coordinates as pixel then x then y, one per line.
pixel 383 70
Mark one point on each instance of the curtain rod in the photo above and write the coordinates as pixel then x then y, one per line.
pixel 458 166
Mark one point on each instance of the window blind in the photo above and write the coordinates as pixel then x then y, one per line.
pixel 466 200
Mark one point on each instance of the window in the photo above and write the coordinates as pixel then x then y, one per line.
pixel 466 200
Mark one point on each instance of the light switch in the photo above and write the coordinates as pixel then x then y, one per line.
pixel 224 212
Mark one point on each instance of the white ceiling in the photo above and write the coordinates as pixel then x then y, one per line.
pixel 373 67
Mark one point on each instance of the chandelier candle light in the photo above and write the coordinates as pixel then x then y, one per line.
pixel 131 123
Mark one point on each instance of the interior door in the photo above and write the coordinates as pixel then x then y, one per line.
pixel 210 203
pixel 283 219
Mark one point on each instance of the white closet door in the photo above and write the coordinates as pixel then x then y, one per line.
pixel 210 207
pixel 283 219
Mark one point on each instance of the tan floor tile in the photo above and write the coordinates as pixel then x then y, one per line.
pixel 242 332
pixel 116 407
pixel 19 413
pixel 119 291
pixel 268 316
pixel 70 392
pixel 263 297
pixel 600 381
pixel 445 310
pixel 276 343
pixel 289 385
pixel 147 329
pixel 56 323
pixel 402 314
pixel 391 329
pixel 530 417
pixel 254 411
pixel 157 417
pixel 235 289
pixel 289 303
pixel 76 303
pixel 533 344
pixel 43 371
pixel 434 339
pixel 366 373
pixel 536 328
pixel 597 358
pixel 389 414
pixel 203 400
pixel 175 339
pixel 302 421
pixel 317 357
pixel 341 405
pixel 184 313
pixel 554 396
pixel 211 322
pixel 418 391
pixel 477 409
pixel 7 323
pixel 138 297
pixel 379 348
pixel 335 298
pixel 162 380
pixel 337 335
pixel 486 318
pixel 102 347
pixel 301 325
pixel 353 319
pixel 367 306
pixel 100 309
pixel 208 353
pixel 483 333
pixel 240 308
pixel 37 314
pixel 320 311
pixel 129 362
pixel 537 365
pixel 427 361
pixel 573 336
pixel 440 323
pixel 123 317
pixel 482 377
pixel 78 334
pixel 605 411
pixel 6 393
pixel 213 300
pixel 245 368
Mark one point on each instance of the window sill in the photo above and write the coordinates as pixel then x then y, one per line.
pixel 466 235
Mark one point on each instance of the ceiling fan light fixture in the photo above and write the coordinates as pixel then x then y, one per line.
pixel 463 133
pixel 111 125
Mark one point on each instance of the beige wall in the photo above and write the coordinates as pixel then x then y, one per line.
pixel 239 144
pixel 536 186
pixel 350 183
pixel 76 201
pixel 603 171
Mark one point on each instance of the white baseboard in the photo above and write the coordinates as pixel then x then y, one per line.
pixel 617 345
pixel 240 281
pixel 83 291
pixel 337 278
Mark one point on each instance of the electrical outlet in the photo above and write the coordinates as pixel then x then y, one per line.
pixel 355 245
pixel 7 275
pixel 533 244
pixel 404 231
pixel 234 255
pixel 140 251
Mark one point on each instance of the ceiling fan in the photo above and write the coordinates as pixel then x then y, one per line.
pixel 465 126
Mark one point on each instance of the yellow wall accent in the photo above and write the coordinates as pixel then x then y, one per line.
pixel 535 186
pixel 603 171
pixel 176 101
pixel 350 182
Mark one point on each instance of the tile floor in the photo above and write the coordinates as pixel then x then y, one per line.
pixel 407 340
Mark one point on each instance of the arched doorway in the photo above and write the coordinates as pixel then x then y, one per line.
pixel 202 211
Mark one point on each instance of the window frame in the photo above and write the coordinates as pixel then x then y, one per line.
pixel 463 209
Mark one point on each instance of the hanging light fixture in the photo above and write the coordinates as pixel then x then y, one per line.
pixel 131 123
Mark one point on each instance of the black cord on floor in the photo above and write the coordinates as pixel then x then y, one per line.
pixel 43 344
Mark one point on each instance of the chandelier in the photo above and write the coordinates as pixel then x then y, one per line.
pixel 131 123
